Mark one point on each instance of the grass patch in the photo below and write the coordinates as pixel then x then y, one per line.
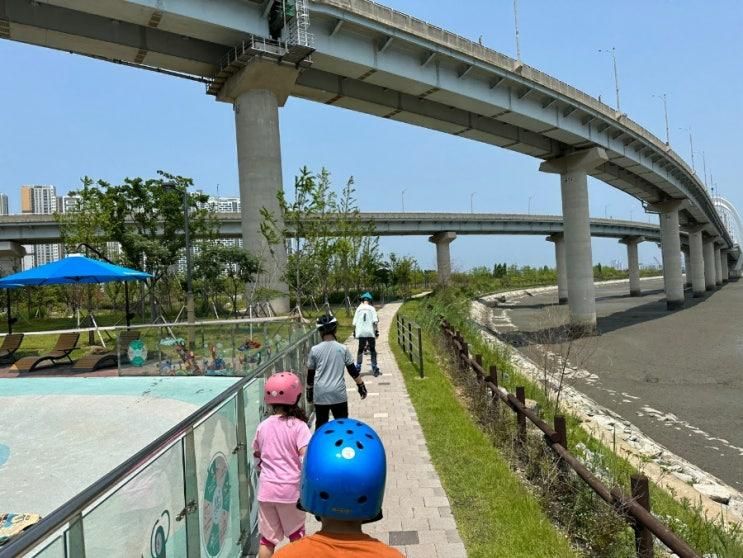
pixel 708 536
pixel 495 514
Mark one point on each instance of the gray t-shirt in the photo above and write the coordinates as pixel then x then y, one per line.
pixel 329 360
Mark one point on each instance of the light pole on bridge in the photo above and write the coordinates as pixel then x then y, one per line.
pixel 613 53
pixel 472 207
pixel 528 212
pixel 691 147
pixel 402 198
pixel 663 98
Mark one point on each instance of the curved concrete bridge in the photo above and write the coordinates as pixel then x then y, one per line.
pixel 369 58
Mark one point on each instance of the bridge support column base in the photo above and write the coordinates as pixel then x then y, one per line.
pixel 562 301
pixel 696 260
pixel 709 265
pixel 256 92
pixel 560 267
pixel 674 304
pixel 635 293
pixel 633 263
pixel 443 255
pixel 573 169
pixel 670 239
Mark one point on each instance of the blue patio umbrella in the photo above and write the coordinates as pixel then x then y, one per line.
pixel 74 269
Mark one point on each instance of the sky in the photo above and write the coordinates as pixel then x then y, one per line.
pixel 64 116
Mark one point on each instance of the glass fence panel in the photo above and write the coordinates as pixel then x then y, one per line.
pixel 254 412
pixel 142 517
pixel 54 550
pixel 216 472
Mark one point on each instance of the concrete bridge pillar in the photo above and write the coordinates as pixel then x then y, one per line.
pixel 11 257
pixel 633 264
pixel 696 257
pixel 560 267
pixel 687 267
pixel 256 92
pixel 725 269
pixel 709 265
pixel 718 266
pixel 573 170
pixel 443 257
pixel 670 243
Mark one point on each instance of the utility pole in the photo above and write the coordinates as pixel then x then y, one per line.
pixel 665 111
pixel 516 25
pixel 402 197
pixel 472 207
pixel 528 212
pixel 616 73
pixel 704 165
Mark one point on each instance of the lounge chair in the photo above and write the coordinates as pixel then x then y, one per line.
pixel 66 343
pixel 91 362
pixel 11 344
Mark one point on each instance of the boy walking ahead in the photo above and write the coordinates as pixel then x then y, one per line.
pixel 325 384
pixel 366 330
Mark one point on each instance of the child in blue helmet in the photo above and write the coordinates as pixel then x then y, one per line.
pixel 366 330
pixel 343 479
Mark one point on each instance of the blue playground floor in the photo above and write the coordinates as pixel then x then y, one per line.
pixel 58 435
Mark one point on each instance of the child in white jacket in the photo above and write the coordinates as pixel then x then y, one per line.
pixel 366 330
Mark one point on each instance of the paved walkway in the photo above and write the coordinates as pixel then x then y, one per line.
pixel 417 515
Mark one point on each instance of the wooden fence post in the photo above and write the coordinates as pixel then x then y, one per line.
pixel 420 351
pixel 561 430
pixel 478 360
pixel 643 536
pixel 520 417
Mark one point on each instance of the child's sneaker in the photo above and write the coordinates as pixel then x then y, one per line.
pixel 376 371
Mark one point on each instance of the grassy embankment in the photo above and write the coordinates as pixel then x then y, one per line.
pixel 443 403
pixel 495 514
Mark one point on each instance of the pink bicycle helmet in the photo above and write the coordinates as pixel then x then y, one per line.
pixel 283 388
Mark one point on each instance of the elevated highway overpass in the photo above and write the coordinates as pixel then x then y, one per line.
pixel 362 56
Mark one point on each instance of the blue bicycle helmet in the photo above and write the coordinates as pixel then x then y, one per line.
pixel 366 296
pixel 344 472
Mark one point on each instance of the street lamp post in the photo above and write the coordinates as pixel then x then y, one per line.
pixel 402 197
pixel 606 211
pixel 616 73
pixel 528 211
pixel 472 207
pixel 516 25
pixel 691 147
pixel 665 111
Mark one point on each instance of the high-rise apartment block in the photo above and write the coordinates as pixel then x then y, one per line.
pixel 40 200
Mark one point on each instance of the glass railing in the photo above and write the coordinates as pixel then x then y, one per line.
pixel 191 492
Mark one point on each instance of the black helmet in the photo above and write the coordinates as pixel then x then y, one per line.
pixel 327 324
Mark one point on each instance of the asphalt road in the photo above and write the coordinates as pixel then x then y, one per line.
pixel 678 376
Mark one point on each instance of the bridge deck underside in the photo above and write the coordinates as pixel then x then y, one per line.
pixel 387 67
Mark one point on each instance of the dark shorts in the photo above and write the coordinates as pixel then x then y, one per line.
pixel 322 413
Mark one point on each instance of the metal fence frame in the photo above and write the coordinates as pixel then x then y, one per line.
pixel 410 340
pixel 66 523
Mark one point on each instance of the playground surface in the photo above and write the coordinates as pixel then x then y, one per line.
pixel 58 435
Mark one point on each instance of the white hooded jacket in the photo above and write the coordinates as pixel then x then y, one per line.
pixel 365 320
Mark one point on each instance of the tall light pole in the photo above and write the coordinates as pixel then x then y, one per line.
pixel 402 198
pixel 616 73
pixel 691 147
pixel 665 111
pixel 528 211
pixel 190 316
pixel 472 207
pixel 704 166
pixel 606 211
pixel 516 25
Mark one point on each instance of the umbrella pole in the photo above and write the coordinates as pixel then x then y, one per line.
pixel 10 319
pixel 126 307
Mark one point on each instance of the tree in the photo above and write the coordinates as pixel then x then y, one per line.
pixel 145 216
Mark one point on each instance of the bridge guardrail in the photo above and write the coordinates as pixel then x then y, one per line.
pixel 635 509
pixel 190 491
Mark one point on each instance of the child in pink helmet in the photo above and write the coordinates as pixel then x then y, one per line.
pixel 278 448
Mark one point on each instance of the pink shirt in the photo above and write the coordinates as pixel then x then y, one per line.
pixel 276 451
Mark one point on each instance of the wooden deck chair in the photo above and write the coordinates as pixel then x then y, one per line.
pixel 66 343
pixel 91 362
pixel 11 344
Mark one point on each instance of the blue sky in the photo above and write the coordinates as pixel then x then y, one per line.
pixel 65 116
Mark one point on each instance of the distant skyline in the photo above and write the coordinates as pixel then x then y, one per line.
pixel 69 116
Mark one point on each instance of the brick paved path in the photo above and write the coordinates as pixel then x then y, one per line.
pixel 417 515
